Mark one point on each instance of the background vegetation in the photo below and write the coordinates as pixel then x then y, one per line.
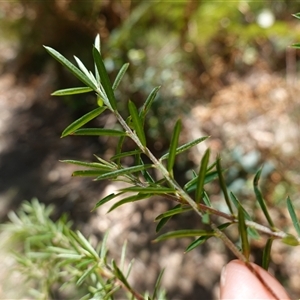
pixel 202 53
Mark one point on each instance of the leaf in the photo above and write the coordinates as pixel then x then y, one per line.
pixel 99 132
pixel 88 173
pixel 267 254
pixel 243 233
pixel 86 274
pixel 290 240
pixel 183 233
pixel 133 198
pixel 297 45
pixel 86 245
pixel 192 184
pixel 72 91
pixel 125 171
pixel 104 78
pixel 206 200
pixel 155 190
pixel 197 242
pixel 251 231
pixel 72 68
pixel 83 120
pixel 105 200
pixel 125 154
pixel 84 69
pixel 173 146
pixel 178 209
pixel 157 284
pixel 137 123
pixel 293 215
pixel 201 176
pixel 260 199
pixel 223 185
pixel 87 164
pixel 120 76
pixel 185 147
pixel 297 15
pixel 146 107
pixel 120 275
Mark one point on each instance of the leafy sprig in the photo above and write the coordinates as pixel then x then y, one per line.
pixel 144 186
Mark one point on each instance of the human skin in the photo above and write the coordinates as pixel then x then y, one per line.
pixel 238 282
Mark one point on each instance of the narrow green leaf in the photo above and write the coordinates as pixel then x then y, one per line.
pixel 126 154
pixel 150 190
pixel 293 215
pixel 72 68
pixel 83 120
pixel 123 172
pixel 223 185
pixel 199 241
pixel 99 132
pixel 260 199
pixel 201 176
pixel 206 200
pixel 161 224
pixel 72 91
pixel 129 199
pixel 178 209
pixel 243 233
pixel 182 234
pixel 104 78
pixel 85 275
pixel 88 173
pixel 192 184
pixel 120 276
pixel 146 107
pixel 267 254
pixel 137 123
pixel 84 70
pixel 173 147
pixel 296 45
pixel 105 200
pixel 185 147
pixel 103 250
pixel 87 164
pixel 251 231
pixel 157 285
pixel 86 244
pixel 120 76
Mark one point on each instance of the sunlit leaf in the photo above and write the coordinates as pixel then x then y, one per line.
pixel 86 244
pixel 98 132
pixel 137 123
pixel 297 15
pixel 120 275
pixel 86 274
pixel 72 68
pixel 201 176
pixel 72 91
pixel 173 146
pixel 293 215
pixel 83 120
pixel 182 234
pixel 104 78
pixel 126 154
pixel 146 107
pixel 122 172
pixel 260 199
pixel 87 164
pixel 185 147
pixel 120 76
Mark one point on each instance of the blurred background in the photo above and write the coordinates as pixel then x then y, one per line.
pixel 224 67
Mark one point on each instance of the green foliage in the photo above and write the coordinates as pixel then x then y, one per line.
pixel 50 253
